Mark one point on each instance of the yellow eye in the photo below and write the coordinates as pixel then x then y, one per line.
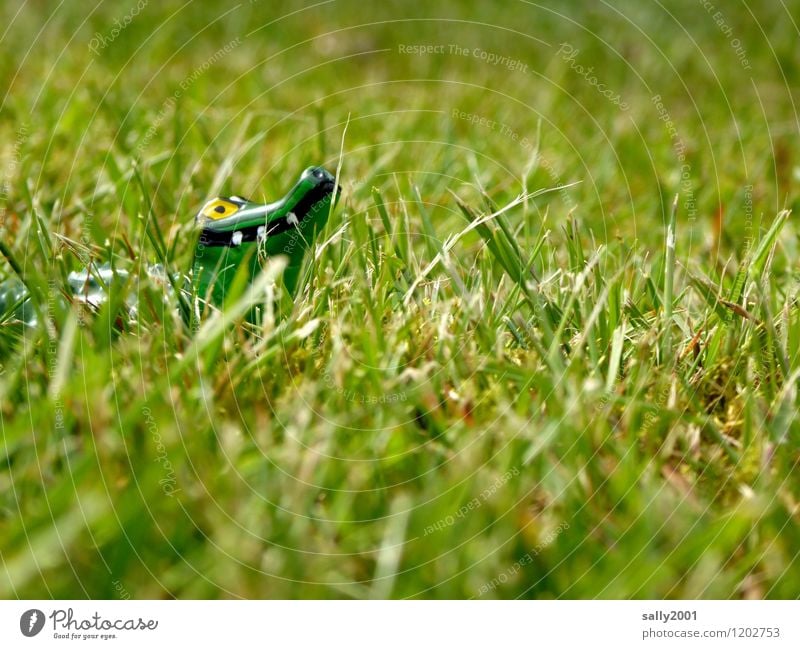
pixel 219 208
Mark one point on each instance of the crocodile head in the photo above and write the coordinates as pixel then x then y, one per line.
pixel 234 229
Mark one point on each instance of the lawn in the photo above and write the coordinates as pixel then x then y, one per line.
pixel 546 346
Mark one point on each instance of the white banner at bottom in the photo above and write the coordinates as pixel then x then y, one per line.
pixel 400 624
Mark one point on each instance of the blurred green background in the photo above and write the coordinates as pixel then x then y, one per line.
pixel 336 465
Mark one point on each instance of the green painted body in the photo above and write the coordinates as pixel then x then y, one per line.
pixel 253 232
pixel 233 231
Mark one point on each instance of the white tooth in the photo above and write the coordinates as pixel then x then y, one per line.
pixel 236 239
pixel 291 218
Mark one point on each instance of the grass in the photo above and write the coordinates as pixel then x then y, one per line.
pixel 553 353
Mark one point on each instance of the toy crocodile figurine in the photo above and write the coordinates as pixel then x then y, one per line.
pixel 233 231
